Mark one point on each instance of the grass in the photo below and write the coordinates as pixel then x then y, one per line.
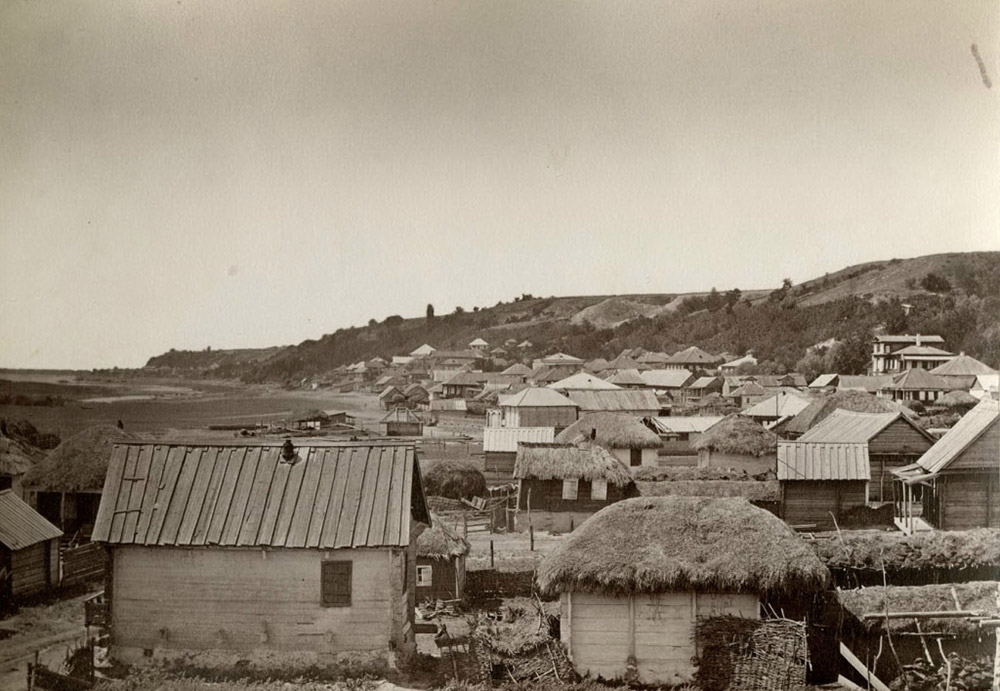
pixel 42 621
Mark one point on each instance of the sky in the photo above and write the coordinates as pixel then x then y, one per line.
pixel 240 174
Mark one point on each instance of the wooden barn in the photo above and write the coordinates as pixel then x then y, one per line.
pixel 500 449
pixel 402 422
pixel 559 486
pixel 821 482
pixel 441 553
pixel 29 551
pixel 65 487
pixel 538 407
pixel 624 435
pixel 282 549
pixel 959 476
pixel 893 441
pixel 390 397
pixel 635 578
pixel 737 442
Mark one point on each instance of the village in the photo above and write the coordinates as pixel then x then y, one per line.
pixel 498 515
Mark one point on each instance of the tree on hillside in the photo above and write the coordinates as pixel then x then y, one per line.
pixel 852 355
pixel 935 283
pixel 430 314
pixel 394 321
pixel 714 301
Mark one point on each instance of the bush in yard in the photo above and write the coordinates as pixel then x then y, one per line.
pixel 454 479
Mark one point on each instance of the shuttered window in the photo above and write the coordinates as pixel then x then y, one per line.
pixel 335 584
pixel 424 574
pixel 570 488
pixel 599 489
pixel 635 457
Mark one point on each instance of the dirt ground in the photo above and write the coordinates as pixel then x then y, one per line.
pixel 511 551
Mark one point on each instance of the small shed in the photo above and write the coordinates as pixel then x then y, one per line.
pixel 441 553
pixel 634 580
pixel 737 442
pixel 403 422
pixel 416 396
pixel 29 551
pixel 821 482
pixel 624 435
pixel 65 487
pixel 291 551
pixel 559 486
pixel 960 476
pixel 500 449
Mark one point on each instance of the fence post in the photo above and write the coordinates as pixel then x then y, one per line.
pixel 491 555
pixel 531 536
pixel 465 524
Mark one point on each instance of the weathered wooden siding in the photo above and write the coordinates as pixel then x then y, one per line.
pixel 246 599
pixel 898 438
pixel 559 418
pixel 546 495
pixel 752 464
pixel 881 466
pixel 808 502
pixel 499 467
pixel 601 633
pixel 34 568
pixel 445 581
pixel 969 500
pixel 984 452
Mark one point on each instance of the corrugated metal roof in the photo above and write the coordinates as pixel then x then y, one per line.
pixel 333 496
pixel 682 425
pixel 907 338
pixel 849 427
pixel 963 365
pixel 805 461
pixel 972 425
pixel 537 397
pixel 505 439
pixel 20 525
pixel 782 404
pixel 666 378
pixel 917 380
pixel 621 399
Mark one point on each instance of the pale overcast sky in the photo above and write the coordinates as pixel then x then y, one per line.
pixel 184 174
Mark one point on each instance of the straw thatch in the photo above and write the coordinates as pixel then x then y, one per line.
pixel 686 472
pixel 660 544
pixel 977 596
pixel 867 550
pixel 79 464
pixel 452 478
pixel 853 401
pixel 441 541
pixel 612 431
pixel 568 461
pixel 737 434
pixel 752 491
pixel 958 399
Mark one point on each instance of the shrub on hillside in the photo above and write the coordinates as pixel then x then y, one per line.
pixel 454 479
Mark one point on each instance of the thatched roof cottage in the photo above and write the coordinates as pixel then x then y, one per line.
pixel 559 486
pixel 441 553
pixel 66 486
pixel 634 579
pixel 737 442
pixel 624 435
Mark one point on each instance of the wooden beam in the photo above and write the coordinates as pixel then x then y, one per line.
pixel 940 614
pixel 859 666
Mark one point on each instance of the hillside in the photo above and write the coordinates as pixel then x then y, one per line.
pixel 956 295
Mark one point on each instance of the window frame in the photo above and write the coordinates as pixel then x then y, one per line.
pixel 603 494
pixel 429 571
pixel 635 458
pixel 575 484
pixel 328 595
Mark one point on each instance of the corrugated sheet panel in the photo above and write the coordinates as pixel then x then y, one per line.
pixel 506 439
pixel 331 497
pixel 799 461
pixel 20 525
pixel 973 424
pixel 620 400
pixel 848 427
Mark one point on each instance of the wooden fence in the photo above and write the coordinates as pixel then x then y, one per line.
pixel 87 562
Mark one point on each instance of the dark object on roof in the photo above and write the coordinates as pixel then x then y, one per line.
pixel 330 497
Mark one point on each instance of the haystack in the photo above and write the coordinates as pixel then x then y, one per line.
pixel 441 541
pixel 958 399
pixel 79 464
pixel 736 434
pixel 660 544
pixel 568 461
pixel 854 401
pixel 610 430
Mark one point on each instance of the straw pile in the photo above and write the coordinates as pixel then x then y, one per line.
pixel 453 478
pixel 521 644
pixel 737 434
pixel 663 544
pixel 751 654
pixel 681 473
pixel 978 596
pixel 441 541
pixel 612 431
pixel 78 464
pixel 958 399
pixel 867 550
pixel 567 461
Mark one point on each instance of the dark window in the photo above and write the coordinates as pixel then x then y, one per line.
pixel 635 457
pixel 335 584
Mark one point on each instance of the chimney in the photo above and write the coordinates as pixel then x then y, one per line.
pixel 918 339
pixel 288 452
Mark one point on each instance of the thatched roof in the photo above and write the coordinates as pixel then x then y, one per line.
pixel 957 399
pixel 974 596
pixel 80 463
pixel 17 457
pixel 568 461
pixel 738 435
pixel 751 490
pixel 441 541
pixel 855 401
pixel 612 431
pixel 868 550
pixel 661 544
